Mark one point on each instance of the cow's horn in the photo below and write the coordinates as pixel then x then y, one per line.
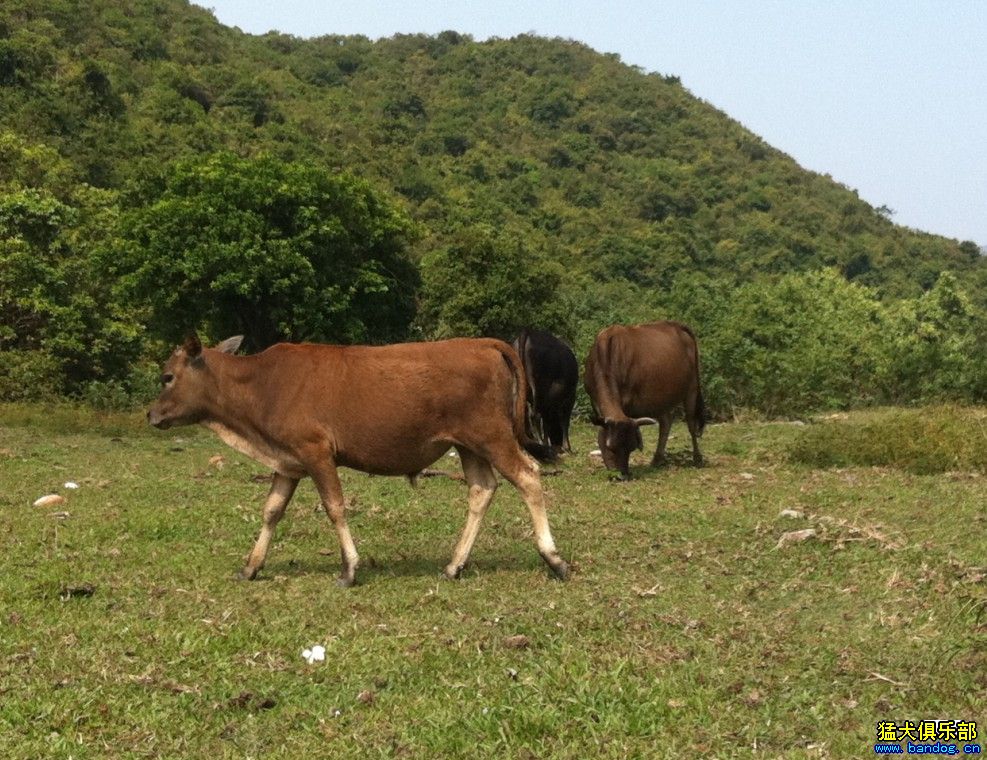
pixel 645 421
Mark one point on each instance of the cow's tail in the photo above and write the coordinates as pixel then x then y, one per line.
pixel 522 353
pixel 519 412
pixel 702 411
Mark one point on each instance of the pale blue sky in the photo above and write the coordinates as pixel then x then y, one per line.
pixel 889 98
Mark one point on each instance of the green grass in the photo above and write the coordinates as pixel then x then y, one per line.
pixel 682 631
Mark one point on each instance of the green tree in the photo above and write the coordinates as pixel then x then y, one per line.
pixel 60 327
pixel 270 249
pixel 937 344
pixel 485 283
pixel 800 342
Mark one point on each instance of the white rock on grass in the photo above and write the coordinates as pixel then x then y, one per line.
pixel 795 537
pixel 315 654
pixel 49 500
pixel 71 485
pixel 793 513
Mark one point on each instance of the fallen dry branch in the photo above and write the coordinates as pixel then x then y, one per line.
pixel 430 473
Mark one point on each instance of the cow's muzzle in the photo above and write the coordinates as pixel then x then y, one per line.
pixel 155 418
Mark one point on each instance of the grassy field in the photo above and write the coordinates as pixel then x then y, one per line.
pixel 684 630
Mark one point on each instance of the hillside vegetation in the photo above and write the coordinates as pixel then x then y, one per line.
pixel 159 172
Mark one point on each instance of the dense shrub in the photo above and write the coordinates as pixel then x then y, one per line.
pixel 489 283
pixel 30 376
pixel 60 326
pixel 929 440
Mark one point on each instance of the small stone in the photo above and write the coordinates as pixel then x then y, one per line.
pixel 49 500
pixel 793 513
pixel 795 537
pixel 520 641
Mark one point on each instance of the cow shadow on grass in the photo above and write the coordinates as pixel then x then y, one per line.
pixel 676 459
pixel 671 461
pixel 647 469
pixel 376 569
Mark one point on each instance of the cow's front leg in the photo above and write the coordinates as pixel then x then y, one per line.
pixel 331 492
pixel 664 428
pixel 282 489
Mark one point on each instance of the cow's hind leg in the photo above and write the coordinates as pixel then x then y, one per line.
pixel 566 420
pixel 331 492
pixel 282 489
pixel 553 428
pixel 522 473
pixel 693 423
pixel 664 428
pixel 482 484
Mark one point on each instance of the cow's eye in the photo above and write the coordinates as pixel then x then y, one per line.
pixel 165 379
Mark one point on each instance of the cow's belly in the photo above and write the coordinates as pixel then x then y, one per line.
pixel 391 458
pixel 650 404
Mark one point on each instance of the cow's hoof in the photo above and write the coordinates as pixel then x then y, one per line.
pixel 343 582
pixel 452 572
pixel 247 574
pixel 560 568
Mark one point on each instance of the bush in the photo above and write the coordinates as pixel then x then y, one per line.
pixel 486 283
pixel 136 390
pixel 925 441
pixel 29 376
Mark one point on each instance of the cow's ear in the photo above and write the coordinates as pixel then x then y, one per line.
pixel 230 345
pixel 192 346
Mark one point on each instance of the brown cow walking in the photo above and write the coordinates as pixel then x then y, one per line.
pixel 306 409
pixel 636 375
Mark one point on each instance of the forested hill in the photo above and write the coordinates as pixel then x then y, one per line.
pixel 610 184
pixel 626 172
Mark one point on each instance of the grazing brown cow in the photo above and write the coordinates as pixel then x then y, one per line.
pixel 306 409
pixel 636 375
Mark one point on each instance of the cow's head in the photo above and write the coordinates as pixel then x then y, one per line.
pixel 617 439
pixel 186 384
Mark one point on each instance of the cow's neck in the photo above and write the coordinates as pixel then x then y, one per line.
pixel 234 403
pixel 610 409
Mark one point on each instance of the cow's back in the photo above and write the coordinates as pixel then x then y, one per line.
pixel 642 369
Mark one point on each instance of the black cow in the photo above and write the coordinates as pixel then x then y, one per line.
pixel 553 374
